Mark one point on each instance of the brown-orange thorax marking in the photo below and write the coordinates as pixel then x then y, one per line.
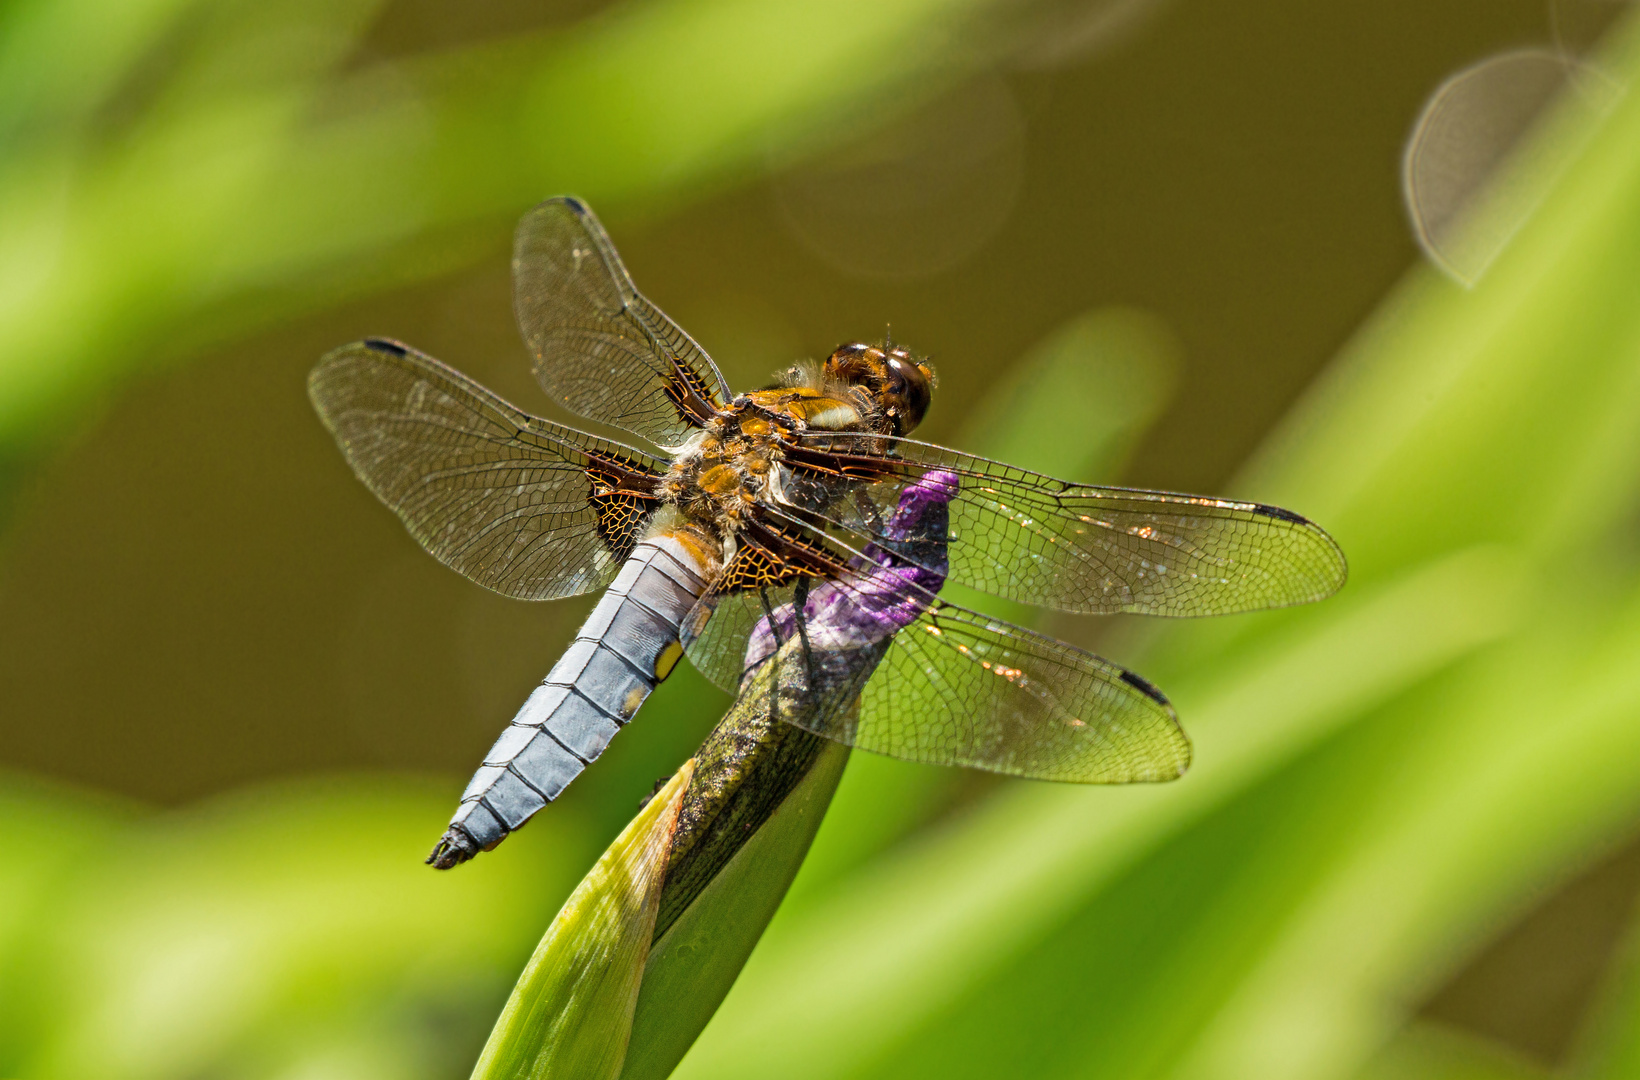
pixel 735 461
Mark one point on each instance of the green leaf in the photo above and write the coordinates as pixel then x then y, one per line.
pixel 695 963
pixel 64 830
pixel 1429 1052
pixel 571 1013
pixel 241 935
pixel 1075 404
pixel 1609 1047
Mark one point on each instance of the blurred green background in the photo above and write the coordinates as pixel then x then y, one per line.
pixel 1157 241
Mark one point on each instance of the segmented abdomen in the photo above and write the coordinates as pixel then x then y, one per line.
pixel 629 643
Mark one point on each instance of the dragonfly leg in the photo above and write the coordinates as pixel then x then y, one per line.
pixel 871 515
pixel 800 601
pixel 774 630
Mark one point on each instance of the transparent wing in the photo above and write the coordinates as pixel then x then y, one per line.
pixel 1075 547
pixel 601 350
pixel 937 683
pixel 958 688
pixel 719 650
pixel 523 506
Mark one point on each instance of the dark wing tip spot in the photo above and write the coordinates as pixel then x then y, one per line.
pixel 386 345
pixel 1144 686
pixel 572 202
pixel 1279 514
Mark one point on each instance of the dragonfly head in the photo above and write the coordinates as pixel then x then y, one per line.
pixel 899 383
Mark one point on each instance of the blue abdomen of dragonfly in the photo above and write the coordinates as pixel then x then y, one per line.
pixel 895 580
pixel 627 646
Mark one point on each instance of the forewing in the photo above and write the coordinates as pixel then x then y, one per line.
pixel 1076 547
pixel 602 350
pixel 520 505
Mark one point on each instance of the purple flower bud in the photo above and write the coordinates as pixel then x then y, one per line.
pixel 894 582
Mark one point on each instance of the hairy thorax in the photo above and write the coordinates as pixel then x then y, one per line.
pixel 721 474
pixel 737 461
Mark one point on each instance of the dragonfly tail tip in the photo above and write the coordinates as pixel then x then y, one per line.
pixel 453 848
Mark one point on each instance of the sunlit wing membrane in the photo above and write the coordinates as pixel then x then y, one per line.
pixel 957 688
pixel 602 350
pixel 520 505
pixel 1096 550
pixel 951 688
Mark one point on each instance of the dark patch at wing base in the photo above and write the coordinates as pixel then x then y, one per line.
pixel 771 558
pixel 621 519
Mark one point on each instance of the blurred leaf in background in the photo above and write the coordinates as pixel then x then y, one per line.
pixel 278 931
pixel 257 167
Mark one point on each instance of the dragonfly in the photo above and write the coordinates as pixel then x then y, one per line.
pixel 799 515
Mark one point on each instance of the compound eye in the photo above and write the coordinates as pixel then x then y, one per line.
pixel 911 385
pixel 852 362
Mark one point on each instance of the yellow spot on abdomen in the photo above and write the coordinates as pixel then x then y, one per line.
pixel 667 660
